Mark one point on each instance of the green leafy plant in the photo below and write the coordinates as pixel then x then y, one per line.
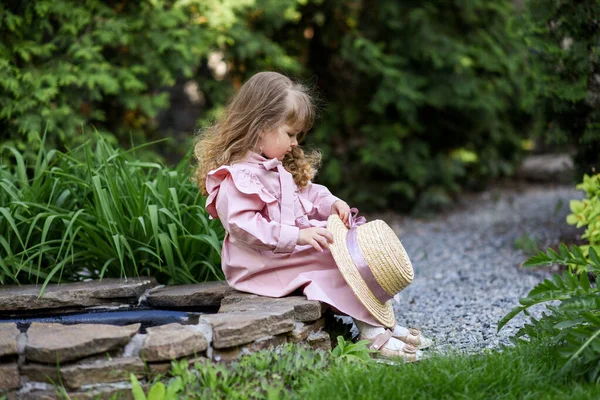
pixel 573 324
pixel 346 350
pixel 99 212
pixel 158 391
pixel 66 64
pixel 586 212
pixel 267 374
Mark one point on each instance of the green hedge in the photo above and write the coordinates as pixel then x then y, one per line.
pixel 425 100
pixel 419 99
pixel 564 42
pixel 66 65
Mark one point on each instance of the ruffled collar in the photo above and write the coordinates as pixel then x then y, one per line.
pixel 255 158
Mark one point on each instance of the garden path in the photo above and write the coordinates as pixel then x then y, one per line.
pixel 467 264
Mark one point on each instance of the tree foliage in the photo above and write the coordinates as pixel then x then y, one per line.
pixel 418 99
pixel 66 65
pixel 430 104
pixel 564 41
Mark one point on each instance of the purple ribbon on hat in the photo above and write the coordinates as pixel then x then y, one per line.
pixel 360 262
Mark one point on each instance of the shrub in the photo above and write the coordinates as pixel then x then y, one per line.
pixel 586 212
pixel 67 64
pixel 564 41
pixel 420 95
pixel 97 212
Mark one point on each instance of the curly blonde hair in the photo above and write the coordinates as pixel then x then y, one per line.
pixel 264 102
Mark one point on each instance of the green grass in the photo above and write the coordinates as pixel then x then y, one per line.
pixel 97 211
pixel 524 372
pixel 527 371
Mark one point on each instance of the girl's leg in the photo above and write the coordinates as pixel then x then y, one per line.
pixel 328 286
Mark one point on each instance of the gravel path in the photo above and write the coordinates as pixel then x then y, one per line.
pixel 468 271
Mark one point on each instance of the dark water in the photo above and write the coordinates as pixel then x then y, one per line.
pixel 147 317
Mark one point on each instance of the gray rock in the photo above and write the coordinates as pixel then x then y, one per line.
pixel 112 370
pixel 35 372
pixel 304 310
pixel 82 373
pixel 234 353
pixel 52 343
pixel 8 339
pixel 122 392
pixel 319 341
pixel 237 328
pixel 547 168
pixel 168 342
pixel 73 295
pixel 302 330
pixel 9 376
pixel 207 294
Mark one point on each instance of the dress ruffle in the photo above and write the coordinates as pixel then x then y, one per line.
pixel 244 180
pixel 307 205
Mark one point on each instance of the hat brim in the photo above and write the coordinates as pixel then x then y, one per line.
pixel 382 312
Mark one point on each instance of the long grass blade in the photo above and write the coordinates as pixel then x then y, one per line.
pixel 109 206
pixel 21 170
pixel 10 220
pixel 167 250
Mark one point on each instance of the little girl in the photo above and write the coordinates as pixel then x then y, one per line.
pixel 258 182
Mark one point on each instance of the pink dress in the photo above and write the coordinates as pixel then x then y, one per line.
pixel 263 210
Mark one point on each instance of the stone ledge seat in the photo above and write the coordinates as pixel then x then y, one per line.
pixel 103 355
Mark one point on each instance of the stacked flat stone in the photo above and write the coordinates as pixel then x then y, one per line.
pixel 96 360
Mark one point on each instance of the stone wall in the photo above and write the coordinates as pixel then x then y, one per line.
pixel 93 360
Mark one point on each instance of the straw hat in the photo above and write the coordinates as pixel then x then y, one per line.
pixel 373 262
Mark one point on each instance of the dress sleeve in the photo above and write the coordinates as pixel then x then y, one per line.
pixel 239 204
pixel 321 198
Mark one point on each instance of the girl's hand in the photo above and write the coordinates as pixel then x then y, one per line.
pixel 342 209
pixel 318 238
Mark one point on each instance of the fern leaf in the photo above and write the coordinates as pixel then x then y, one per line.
pixel 540 259
pixel 579 351
pixel 511 314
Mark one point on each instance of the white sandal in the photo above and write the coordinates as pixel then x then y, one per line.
pixel 415 338
pixel 409 352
